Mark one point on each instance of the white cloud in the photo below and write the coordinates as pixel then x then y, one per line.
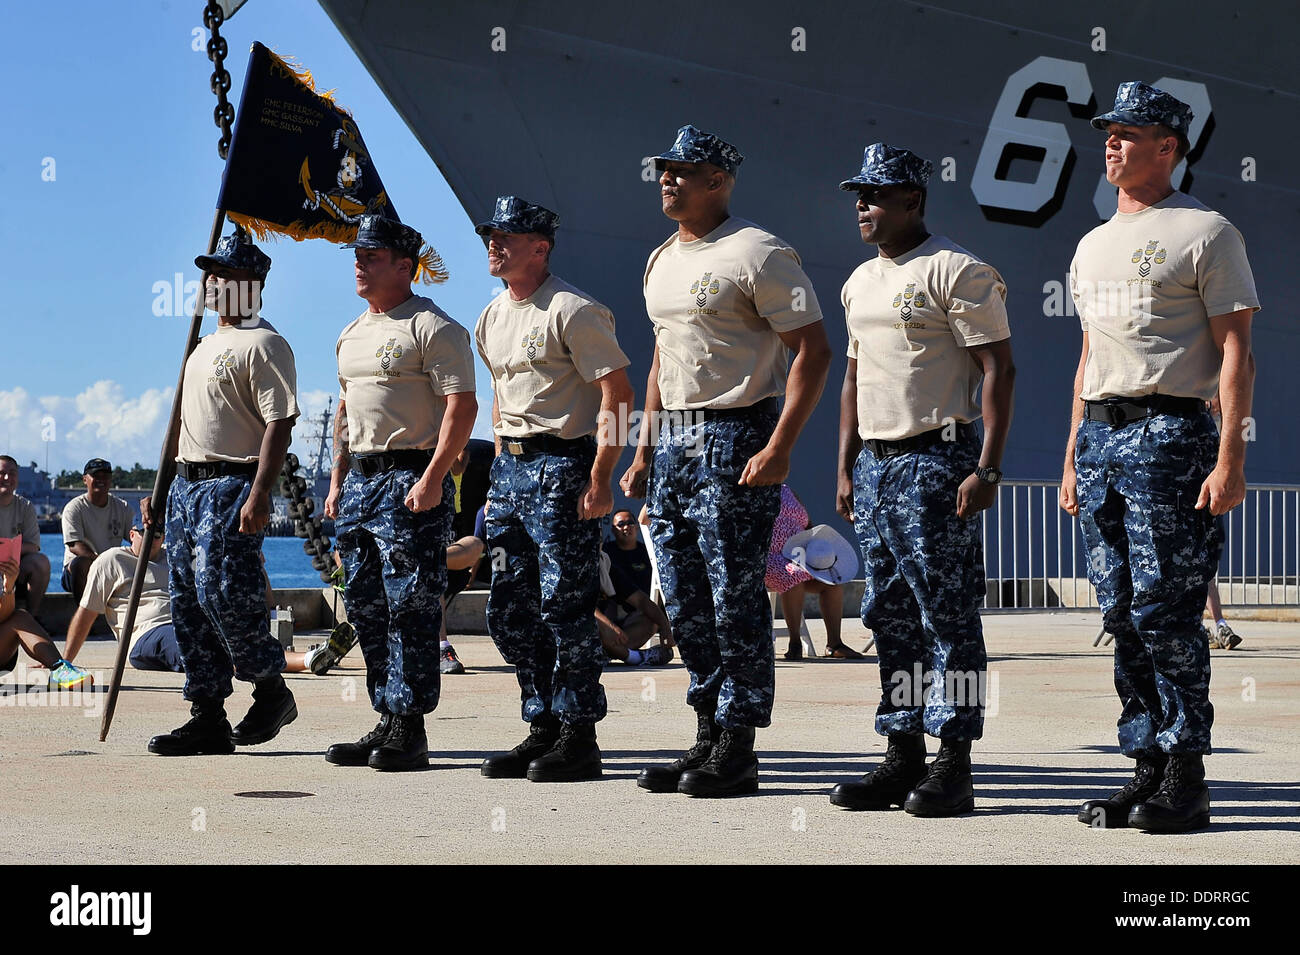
pixel 100 421
pixel 312 403
pixel 105 421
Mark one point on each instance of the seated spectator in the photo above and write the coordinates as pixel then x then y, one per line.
pixel 463 558
pixel 153 640
pixel 627 618
pixel 19 629
pixel 92 523
pixel 627 552
pixel 1224 637
pixel 18 519
pixel 792 581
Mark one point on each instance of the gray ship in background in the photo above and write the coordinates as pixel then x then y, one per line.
pixel 563 103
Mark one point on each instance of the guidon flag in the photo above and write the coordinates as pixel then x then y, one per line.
pixel 298 165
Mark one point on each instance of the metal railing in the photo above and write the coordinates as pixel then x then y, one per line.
pixel 1035 559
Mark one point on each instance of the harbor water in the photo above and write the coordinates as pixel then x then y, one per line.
pixel 286 563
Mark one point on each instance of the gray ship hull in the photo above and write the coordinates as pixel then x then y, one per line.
pixel 998 99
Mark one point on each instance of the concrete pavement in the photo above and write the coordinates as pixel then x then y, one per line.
pixel 1049 744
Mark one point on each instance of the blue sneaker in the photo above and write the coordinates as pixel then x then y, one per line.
pixel 67 675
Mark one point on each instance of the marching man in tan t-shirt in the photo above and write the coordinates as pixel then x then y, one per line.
pixel 928 333
pixel 406 408
pixel 730 304
pixel 558 376
pixel 237 413
pixel 1165 296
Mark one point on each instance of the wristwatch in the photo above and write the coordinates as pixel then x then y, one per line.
pixel 989 475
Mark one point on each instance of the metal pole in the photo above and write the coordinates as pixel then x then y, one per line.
pixel 166 469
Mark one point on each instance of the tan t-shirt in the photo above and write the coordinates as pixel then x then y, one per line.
pixel 910 320
pixel 545 354
pixel 18 519
pixel 717 304
pixel 1145 285
pixel 237 381
pixel 100 527
pixel 108 587
pixel 396 369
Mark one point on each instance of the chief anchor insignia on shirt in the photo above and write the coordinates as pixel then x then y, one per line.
pixel 388 353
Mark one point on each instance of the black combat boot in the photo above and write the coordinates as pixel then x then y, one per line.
pixel 207 732
pixel 890 782
pixel 358 753
pixel 664 779
pixel 1181 804
pixel 543 734
pixel 946 789
pixel 1112 812
pixel 273 709
pixel 406 746
pixel 730 770
pixel 574 757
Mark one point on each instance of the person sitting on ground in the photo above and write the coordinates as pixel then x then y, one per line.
pixel 18 519
pixel 463 558
pixel 19 629
pixel 627 618
pixel 470 473
pixel 627 552
pixel 153 640
pixel 1223 637
pixel 92 523
pixel 792 581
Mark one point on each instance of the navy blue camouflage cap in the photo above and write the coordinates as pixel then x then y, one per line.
pixel 236 251
pixel 378 232
pixel 694 145
pixel 516 215
pixel 1137 104
pixel 96 464
pixel 890 166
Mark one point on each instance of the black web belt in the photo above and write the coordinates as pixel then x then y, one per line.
pixel 1120 411
pixel 546 444
pixel 207 470
pixel 689 416
pixel 368 465
pixel 918 442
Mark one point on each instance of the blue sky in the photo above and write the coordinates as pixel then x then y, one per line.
pixel 117 97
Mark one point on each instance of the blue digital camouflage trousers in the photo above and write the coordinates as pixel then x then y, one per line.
pixel 924 569
pixel 396 564
pixel 545 581
pixel 1151 557
pixel 218 599
pixel 711 538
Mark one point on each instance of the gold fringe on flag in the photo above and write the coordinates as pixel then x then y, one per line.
pixel 303 75
pixel 298 231
pixel 430 269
